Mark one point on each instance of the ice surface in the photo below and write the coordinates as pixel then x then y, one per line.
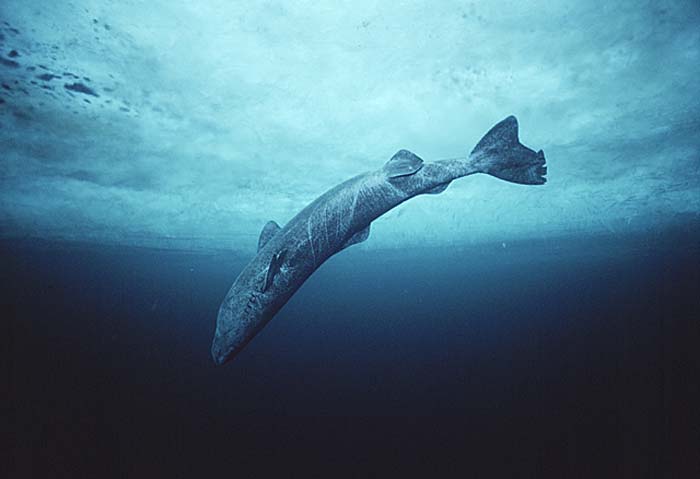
pixel 191 124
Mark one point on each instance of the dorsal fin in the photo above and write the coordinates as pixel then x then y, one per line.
pixel 273 268
pixel 269 230
pixel 403 163
pixel 358 237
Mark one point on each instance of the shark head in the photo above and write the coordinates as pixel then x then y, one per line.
pixel 248 306
pixel 241 315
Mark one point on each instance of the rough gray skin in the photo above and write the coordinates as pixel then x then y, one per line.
pixel 288 256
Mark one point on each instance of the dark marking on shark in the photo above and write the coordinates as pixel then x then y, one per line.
pixel 342 216
pixel 13 54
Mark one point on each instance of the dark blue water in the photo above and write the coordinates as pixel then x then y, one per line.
pixel 570 357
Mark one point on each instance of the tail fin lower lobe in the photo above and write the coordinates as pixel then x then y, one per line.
pixel 500 153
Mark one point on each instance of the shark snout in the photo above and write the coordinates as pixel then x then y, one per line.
pixel 238 320
pixel 219 350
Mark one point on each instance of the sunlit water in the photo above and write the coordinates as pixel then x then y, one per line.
pixel 494 330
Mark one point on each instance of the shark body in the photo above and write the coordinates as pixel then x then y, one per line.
pixel 342 216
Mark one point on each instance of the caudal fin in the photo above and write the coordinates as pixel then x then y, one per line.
pixel 500 153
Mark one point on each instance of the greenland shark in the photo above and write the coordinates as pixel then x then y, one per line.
pixel 341 217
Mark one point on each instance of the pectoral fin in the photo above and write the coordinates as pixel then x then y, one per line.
pixel 273 268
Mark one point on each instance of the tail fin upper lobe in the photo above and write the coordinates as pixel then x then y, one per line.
pixel 500 153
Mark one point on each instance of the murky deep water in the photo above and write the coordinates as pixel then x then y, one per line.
pixel 574 357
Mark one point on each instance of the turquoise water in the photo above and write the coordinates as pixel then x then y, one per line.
pixel 493 330
pixel 190 125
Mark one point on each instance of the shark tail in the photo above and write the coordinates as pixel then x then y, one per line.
pixel 499 153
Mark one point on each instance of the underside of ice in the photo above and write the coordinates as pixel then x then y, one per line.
pixel 191 124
